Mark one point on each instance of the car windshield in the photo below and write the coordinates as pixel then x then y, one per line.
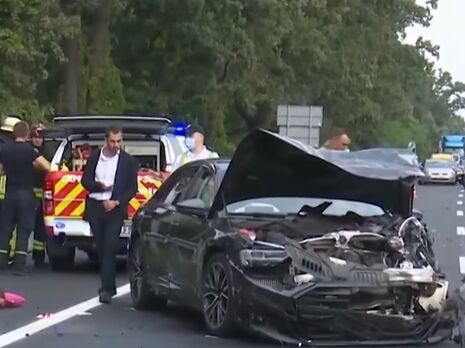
pixel 292 205
pixel 438 164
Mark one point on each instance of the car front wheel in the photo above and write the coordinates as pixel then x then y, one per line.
pixel 141 293
pixel 218 303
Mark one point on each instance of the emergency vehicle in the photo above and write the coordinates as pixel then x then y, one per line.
pixel 145 138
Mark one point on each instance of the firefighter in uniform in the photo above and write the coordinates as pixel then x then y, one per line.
pixel 6 136
pixel 196 148
pixel 38 250
pixel 18 160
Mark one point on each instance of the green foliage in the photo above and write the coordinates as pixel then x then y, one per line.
pixel 228 63
pixel 30 31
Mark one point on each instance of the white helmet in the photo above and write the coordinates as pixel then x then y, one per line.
pixel 8 123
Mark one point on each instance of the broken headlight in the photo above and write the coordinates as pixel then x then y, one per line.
pixel 261 258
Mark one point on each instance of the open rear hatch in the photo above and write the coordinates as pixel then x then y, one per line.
pixel 97 124
pixel 141 132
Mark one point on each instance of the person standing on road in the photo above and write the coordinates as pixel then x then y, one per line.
pixel 110 177
pixel 6 137
pixel 38 251
pixel 196 148
pixel 18 160
pixel 337 139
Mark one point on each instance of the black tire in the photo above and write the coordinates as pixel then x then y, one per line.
pixel 61 257
pixel 218 297
pixel 141 293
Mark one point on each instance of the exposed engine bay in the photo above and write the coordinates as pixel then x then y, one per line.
pixel 381 266
pixel 380 241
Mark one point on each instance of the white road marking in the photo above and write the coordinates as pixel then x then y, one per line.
pixel 462 190
pixel 462 264
pixel 460 195
pixel 68 313
pixel 459 202
pixel 460 230
pixel 459 212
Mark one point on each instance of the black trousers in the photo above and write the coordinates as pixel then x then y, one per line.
pixel 18 210
pixel 106 228
pixel 38 251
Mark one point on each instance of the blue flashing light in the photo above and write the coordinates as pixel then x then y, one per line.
pixel 178 128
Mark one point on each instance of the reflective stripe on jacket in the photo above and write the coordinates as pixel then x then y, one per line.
pixel 38 192
pixel 2 186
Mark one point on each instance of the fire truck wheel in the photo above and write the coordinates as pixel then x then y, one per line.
pixel 61 257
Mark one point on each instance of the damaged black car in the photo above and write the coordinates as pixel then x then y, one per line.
pixel 303 246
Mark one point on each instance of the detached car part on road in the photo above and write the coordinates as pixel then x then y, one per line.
pixel 302 246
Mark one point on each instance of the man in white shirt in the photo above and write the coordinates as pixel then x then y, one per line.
pixel 110 177
pixel 196 148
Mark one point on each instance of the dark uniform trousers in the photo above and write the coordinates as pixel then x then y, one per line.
pixel 106 228
pixel 38 249
pixel 18 211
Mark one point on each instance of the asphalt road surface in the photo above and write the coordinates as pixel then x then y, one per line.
pixel 80 321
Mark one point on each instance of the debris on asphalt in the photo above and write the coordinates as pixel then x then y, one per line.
pixel 44 315
pixel 210 336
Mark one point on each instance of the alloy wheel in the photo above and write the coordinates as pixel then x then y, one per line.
pixel 216 295
pixel 136 271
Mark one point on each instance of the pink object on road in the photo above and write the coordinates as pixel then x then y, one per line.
pixel 13 300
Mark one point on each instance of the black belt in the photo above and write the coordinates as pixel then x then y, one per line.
pixel 97 200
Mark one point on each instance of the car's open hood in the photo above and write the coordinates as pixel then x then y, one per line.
pixel 266 164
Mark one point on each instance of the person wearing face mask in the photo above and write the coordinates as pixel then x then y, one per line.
pixel 196 148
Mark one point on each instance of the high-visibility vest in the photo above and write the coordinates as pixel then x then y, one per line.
pixel 2 186
pixel 185 156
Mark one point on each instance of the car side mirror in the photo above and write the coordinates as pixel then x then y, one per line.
pixel 194 206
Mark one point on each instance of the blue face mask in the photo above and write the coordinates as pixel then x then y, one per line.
pixel 190 143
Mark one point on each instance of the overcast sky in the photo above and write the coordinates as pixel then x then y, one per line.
pixel 448 31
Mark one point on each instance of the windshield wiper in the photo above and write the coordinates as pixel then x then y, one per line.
pixel 258 214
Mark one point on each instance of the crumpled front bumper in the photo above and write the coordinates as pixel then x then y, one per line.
pixel 295 317
pixel 318 313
